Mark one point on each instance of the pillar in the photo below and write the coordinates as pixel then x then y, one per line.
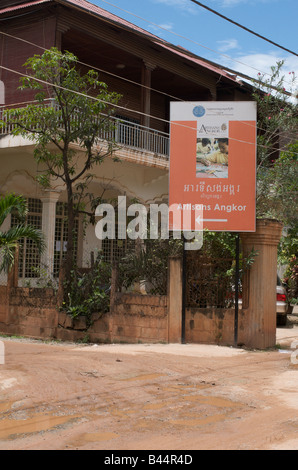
pixel 146 93
pixel 175 293
pixel 259 285
pixel 49 201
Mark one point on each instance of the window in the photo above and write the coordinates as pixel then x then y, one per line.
pixel 29 258
pixel 115 249
pixel 61 233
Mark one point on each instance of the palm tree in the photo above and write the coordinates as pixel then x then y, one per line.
pixel 12 238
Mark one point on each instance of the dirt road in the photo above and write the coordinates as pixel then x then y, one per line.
pixel 148 397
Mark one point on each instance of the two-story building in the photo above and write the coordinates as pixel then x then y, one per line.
pixel 147 71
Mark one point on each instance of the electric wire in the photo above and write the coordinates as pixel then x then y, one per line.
pixel 226 56
pixel 283 92
pixel 96 68
pixel 127 109
pixel 243 27
pixel 187 39
pixel 121 78
pixel 117 76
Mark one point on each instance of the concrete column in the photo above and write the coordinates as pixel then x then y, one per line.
pixel 4 228
pixel 175 300
pixel 259 285
pixel 49 201
pixel 146 93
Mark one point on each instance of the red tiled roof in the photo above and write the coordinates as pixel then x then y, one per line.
pixel 98 11
pixel 22 5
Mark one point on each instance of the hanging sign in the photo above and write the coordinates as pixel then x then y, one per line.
pixel 213 166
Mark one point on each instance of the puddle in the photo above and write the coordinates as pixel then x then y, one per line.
pixel 199 421
pixel 213 401
pixel 120 413
pixel 181 387
pixel 4 406
pixel 155 406
pixel 12 429
pixel 89 437
pixel 140 377
pixel 98 436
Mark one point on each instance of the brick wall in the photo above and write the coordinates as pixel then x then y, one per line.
pixel 135 318
pixel 213 326
pixel 33 313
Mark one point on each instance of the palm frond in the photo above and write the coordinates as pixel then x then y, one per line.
pixel 8 257
pixel 12 203
pixel 15 234
pixel 10 240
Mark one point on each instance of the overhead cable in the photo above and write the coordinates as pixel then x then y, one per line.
pixel 123 107
pixel 243 27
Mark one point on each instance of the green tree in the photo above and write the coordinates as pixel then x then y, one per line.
pixel 12 238
pixel 277 128
pixel 277 170
pixel 71 115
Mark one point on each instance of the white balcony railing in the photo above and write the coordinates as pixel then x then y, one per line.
pixel 126 134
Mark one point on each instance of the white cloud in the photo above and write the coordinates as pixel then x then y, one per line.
pixel 168 26
pixel 262 63
pixel 227 45
pixel 155 29
pixel 232 3
pixel 253 64
pixel 184 5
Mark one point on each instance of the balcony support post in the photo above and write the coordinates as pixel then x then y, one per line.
pixel 147 70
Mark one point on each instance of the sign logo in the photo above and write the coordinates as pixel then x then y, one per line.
pixel 199 111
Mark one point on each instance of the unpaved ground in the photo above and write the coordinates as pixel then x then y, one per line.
pixel 148 397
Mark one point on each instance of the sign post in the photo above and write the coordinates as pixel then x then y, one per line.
pixel 213 165
pixel 212 181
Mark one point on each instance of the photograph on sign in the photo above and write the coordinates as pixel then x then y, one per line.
pixel 213 165
pixel 212 158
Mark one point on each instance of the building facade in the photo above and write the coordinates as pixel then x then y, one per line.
pixel 147 71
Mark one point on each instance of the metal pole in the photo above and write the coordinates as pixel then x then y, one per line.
pixel 237 290
pixel 184 265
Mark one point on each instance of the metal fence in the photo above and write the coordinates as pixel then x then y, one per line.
pixel 123 133
pixel 209 281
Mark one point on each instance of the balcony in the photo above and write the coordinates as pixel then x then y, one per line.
pixel 127 135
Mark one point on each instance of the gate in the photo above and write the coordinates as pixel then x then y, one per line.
pixel 210 281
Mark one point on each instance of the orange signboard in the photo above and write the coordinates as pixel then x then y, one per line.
pixel 213 166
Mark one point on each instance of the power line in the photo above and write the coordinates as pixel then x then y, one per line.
pixel 226 56
pixel 126 109
pixel 95 68
pixel 243 27
pixel 284 92
pixel 119 77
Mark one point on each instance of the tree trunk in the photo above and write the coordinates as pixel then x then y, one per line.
pixel 68 262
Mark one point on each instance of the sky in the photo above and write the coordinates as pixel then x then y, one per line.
pixel 184 23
